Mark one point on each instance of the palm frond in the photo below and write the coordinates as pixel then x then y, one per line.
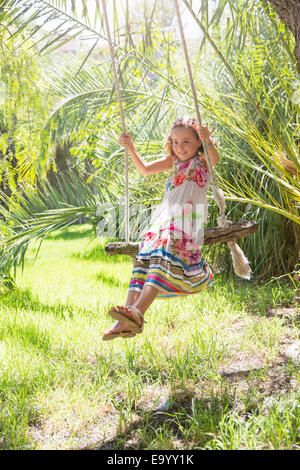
pixel 36 213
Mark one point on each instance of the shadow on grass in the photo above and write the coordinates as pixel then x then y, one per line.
pixel 25 412
pixel 73 232
pixel 111 280
pixel 98 253
pixel 187 421
pixel 30 335
pixel 184 419
pixel 257 296
pixel 23 299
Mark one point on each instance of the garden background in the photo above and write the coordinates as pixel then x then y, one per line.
pixel 218 371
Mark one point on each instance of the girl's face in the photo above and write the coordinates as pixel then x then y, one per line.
pixel 185 143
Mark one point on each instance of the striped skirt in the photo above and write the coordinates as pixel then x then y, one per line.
pixel 170 275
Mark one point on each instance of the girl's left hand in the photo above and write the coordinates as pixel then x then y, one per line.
pixel 204 134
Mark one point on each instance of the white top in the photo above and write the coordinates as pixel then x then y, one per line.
pixel 183 211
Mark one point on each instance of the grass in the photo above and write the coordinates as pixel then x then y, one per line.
pixel 209 371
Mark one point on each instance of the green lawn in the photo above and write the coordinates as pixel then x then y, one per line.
pixel 211 371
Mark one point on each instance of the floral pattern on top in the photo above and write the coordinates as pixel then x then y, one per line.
pixel 181 173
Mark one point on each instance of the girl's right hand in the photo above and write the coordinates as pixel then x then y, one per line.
pixel 126 140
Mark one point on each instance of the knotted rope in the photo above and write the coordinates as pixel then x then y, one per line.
pixel 116 78
pixel 240 262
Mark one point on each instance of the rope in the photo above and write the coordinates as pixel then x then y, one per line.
pixel 190 73
pixel 240 262
pixel 116 78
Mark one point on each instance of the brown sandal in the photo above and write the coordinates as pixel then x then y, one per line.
pixel 120 334
pixel 120 316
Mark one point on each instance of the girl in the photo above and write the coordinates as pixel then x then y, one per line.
pixel 169 262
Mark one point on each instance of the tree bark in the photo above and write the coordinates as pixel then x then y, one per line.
pixel 211 236
pixel 289 13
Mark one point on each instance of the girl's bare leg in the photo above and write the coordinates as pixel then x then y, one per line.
pixel 132 297
pixel 148 295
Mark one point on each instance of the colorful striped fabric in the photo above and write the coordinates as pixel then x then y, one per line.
pixel 169 275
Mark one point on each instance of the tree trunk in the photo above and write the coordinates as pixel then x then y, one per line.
pixel 289 13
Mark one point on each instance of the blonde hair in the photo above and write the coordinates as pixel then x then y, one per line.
pixel 186 121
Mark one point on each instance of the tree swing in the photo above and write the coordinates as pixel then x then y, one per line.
pixel 226 231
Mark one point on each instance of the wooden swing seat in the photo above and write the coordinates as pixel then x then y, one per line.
pixel 211 236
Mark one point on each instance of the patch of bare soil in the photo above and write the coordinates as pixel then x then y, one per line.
pixel 252 369
pixel 287 313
